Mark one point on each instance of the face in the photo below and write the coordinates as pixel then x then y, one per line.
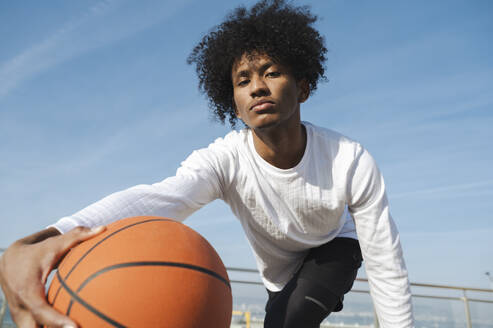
pixel 266 95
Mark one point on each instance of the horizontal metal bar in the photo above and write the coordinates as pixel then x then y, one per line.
pixel 453 287
pixel 242 270
pixel 479 300
pixel 360 291
pixel 454 298
pixel 438 297
pixel 246 282
pixel 367 292
pixel 472 289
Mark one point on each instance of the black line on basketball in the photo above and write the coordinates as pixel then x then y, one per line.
pixel 98 243
pixel 150 263
pixel 87 305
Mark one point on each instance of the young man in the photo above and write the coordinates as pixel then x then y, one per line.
pixel 290 183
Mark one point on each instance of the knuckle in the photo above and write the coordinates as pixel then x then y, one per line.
pixel 49 258
pixel 21 294
pixel 37 314
pixel 28 296
pixel 79 230
pixel 78 233
pixel 36 311
pixel 23 298
pixel 50 254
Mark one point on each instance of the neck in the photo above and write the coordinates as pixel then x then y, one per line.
pixel 281 147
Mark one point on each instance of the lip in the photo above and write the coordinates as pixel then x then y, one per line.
pixel 262 105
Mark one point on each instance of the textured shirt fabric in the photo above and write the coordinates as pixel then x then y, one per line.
pixel 336 190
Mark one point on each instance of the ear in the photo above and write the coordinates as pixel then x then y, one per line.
pixel 303 90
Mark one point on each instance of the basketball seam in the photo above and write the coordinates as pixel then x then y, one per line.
pixel 87 305
pixel 99 242
pixel 76 297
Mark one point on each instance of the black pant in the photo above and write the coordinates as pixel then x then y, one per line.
pixel 318 288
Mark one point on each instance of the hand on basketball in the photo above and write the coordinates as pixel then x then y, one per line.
pixel 24 268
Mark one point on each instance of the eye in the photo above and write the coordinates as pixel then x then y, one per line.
pixel 273 74
pixel 243 83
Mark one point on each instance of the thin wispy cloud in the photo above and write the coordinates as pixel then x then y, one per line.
pixel 450 189
pixel 91 153
pixel 99 97
pixel 102 24
pixel 50 51
pixel 144 130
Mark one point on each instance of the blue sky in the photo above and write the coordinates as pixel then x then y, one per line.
pixel 96 96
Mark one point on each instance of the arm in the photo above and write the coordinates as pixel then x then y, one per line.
pixel 380 244
pixel 24 268
pixel 26 264
pixel 194 185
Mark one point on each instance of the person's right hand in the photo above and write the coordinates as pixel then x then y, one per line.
pixel 24 268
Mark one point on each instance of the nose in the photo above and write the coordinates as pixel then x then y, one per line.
pixel 259 87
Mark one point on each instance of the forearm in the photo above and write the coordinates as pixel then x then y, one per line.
pixel 176 197
pixel 149 200
pixel 386 270
pixel 380 246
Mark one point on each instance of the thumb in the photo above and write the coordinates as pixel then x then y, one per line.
pixel 78 235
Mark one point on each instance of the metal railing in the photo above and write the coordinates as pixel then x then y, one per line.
pixel 464 290
pixel 3 309
pixel 464 298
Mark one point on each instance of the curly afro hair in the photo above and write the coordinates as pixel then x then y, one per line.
pixel 271 27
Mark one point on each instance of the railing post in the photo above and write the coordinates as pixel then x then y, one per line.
pixel 3 309
pixel 468 313
pixel 454 298
pixel 248 319
pixel 246 314
pixel 376 324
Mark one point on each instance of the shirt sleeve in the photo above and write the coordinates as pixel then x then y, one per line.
pixel 380 243
pixel 195 184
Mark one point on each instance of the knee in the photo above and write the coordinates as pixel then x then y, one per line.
pixel 309 309
pixel 298 311
pixel 303 304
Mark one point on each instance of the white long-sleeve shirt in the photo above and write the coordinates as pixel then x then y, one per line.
pixel 284 212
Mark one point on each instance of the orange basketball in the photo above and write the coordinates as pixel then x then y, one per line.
pixel 144 272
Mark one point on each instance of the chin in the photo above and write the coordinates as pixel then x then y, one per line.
pixel 265 125
pixel 266 122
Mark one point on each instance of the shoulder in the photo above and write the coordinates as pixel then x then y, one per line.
pixel 219 154
pixel 232 138
pixel 339 145
pixel 228 145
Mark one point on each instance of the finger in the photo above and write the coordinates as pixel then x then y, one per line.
pixel 44 314
pixel 35 304
pixel 80 234
pixel 23 318
pixel 58 246
pixel 19 314
pixel 75 236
